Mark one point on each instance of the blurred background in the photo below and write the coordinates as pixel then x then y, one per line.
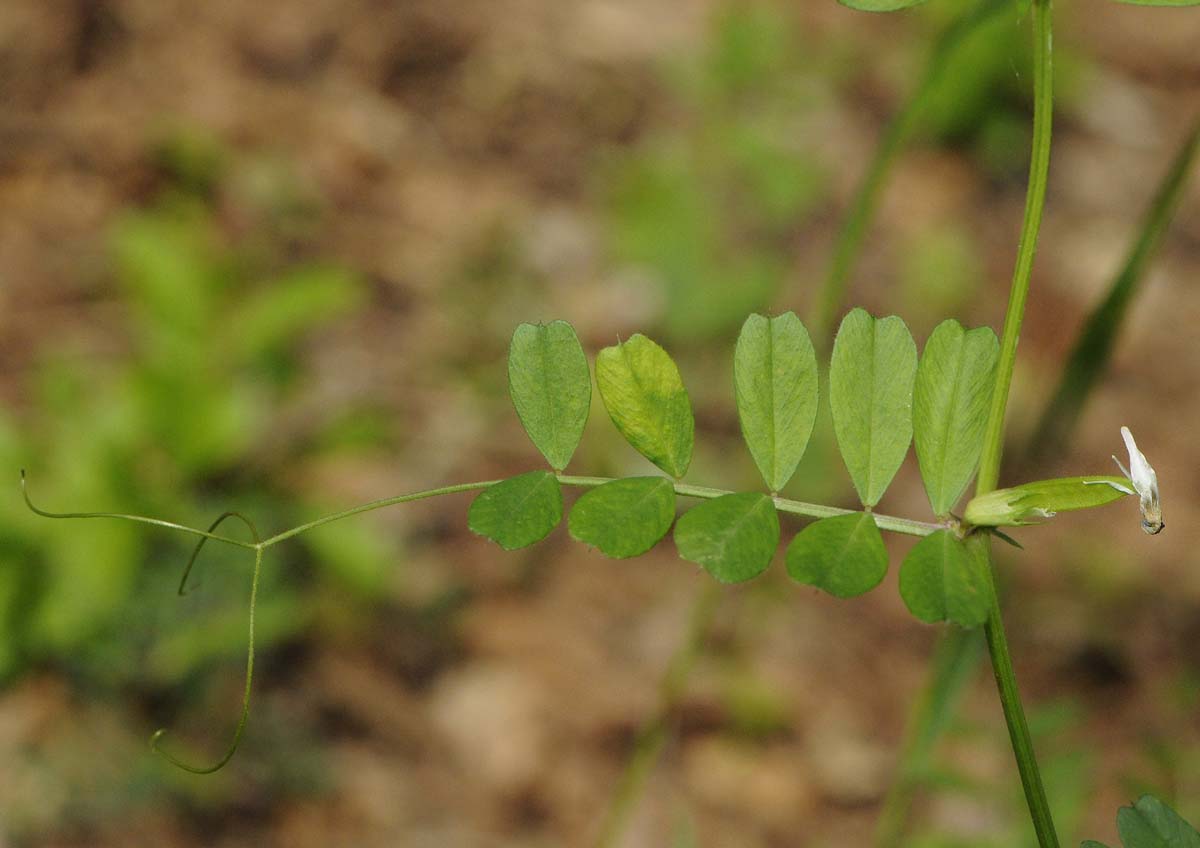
pixel 267 257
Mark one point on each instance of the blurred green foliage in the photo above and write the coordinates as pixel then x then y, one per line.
pixel 706 207
pixel 183 422
pixel 985 798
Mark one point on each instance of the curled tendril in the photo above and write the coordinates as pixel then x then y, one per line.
pixel 183 590
pixel 157 522
pixel 205 535
pixel 245 714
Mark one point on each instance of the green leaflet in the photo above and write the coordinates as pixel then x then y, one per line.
pixel 551 387
pixel 775 383
pixel 1150 823
pixel 882 5
pixel 733 536
pixel 942 579
pixel 624 518
pixel 518 511
pixel 645 398
pixel 870 392
pixel 1031 502
pixel 951 397
pixel 843 555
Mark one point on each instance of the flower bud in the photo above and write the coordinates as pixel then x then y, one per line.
pixel 1030 503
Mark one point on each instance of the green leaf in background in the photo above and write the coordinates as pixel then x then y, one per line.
pixel 270 318
pixel 942 579
pixel 645 398
pixel 1150 823
pixel 870 391
pixel 950 408
pixel 624 518
pixel 1031 502
pixel 880 5
pixel 518 511
pixel 843 555
pixel 775 382
pixel 551 387
pixel 733 536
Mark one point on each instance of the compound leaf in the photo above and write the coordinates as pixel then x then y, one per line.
pixel 624 518
pixel 843 555
pixel 870 392
pixel 775 383
pixel 733 536
pixel 950 408
pixel 551 387
pixel 645 398
pixel 518 511
pixel 942 579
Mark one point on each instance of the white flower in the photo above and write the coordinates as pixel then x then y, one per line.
pixel 1145 484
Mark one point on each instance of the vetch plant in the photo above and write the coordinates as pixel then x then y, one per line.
pixel 882 396
pixel 948 400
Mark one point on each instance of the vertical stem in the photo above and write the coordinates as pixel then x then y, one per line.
pixel 993 445
pixel 1014 714
pixel 1035 201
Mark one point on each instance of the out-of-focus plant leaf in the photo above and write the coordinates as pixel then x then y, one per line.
pixel 624 518
pixel 518 511
pixel 913 115
pixel 551 387
pixel 942 579
pixel 950 408
pixel 977 94
pixel 1031 502
pixel 1150 823
pixel 356 555
pixel 749 47
pixel 167 263
pixel 645 398
pixel 276 314
pixel 1093 349
pixel 733 536
pixel 843 555
pixel 775 384
pixel 870 392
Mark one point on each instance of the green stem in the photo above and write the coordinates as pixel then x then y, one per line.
pixel 1035 201
pixel 993 445
pixel 379 504
pixel 866 200
pixel 1014 715
pixel 907 526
